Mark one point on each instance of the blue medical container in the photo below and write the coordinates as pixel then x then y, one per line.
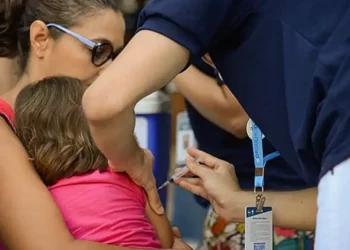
pixel 153 131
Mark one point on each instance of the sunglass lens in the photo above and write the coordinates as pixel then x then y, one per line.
pixel 102 53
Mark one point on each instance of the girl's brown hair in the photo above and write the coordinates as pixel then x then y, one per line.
pixel 51 124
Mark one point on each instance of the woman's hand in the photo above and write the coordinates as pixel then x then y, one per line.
pixel 143 176
pixel 216 182
pixel 178 242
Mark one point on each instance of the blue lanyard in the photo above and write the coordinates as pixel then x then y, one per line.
pixel 259 159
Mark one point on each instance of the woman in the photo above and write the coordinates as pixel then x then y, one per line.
pixel 219 123
pixel 54 37
pixel 289 72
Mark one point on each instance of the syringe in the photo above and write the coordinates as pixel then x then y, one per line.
pixel 174 177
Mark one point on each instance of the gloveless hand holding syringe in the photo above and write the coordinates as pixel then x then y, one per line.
pixel 177 176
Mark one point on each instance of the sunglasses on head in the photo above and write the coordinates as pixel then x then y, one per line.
pixel 101 51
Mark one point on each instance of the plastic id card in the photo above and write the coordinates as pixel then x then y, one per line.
pixel 184 138
pixel 258 229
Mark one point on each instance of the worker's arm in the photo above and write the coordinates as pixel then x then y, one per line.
pixel 291 209
pixel 214 102
pixel 29 218
pixel 218 183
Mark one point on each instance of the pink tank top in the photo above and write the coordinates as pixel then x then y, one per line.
pixel 7 113
pixel 105 207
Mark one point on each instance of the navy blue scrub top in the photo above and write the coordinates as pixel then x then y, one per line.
pixel 216 141
pixel 286 61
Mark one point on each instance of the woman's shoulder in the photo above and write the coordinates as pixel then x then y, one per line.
pixel 7 113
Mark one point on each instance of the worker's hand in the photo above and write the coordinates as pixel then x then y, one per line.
pixel 216 182
pixel 142 175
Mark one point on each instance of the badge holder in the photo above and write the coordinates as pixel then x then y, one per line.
pixel 258 219
pixel 184 138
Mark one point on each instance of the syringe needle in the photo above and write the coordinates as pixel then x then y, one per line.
pixel 174 177
pixel 163 185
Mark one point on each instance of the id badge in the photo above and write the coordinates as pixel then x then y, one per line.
pixel 184 138
pixel 258 229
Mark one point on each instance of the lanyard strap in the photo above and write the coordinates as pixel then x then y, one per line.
pixel 259 159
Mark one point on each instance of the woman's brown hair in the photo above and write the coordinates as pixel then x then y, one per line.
pixel 51 124
pixel 16 16
pixel 10 15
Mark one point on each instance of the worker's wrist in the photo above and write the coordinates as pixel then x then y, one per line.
pixel 238 201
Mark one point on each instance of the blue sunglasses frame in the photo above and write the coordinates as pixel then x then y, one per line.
pixel 95 47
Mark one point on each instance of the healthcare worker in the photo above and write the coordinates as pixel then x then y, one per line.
pixel 287 62
pixel 219 125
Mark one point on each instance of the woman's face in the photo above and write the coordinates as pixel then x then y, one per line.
pixel 68 56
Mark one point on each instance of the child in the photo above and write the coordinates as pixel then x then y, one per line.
pixel 97 204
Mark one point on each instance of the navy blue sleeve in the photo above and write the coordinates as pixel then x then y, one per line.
pixel 207 69
pixel 195 24
pixel 203 67
pixel 331 136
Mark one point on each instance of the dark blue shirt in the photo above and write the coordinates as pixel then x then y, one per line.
pixel 286 61
pixel 214 140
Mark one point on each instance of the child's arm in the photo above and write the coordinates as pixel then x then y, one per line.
pixel 162 226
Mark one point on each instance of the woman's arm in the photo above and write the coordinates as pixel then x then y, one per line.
pixel 29 218
pixel 215 103
pixel 162 226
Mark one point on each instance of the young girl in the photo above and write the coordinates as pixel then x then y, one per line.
pixel 97 204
